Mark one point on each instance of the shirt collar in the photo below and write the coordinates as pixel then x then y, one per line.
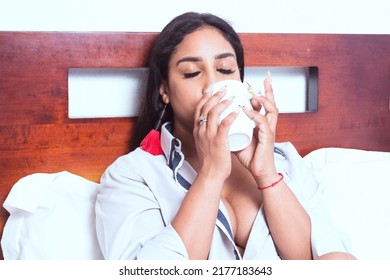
pixel 172 150
pixel 167 138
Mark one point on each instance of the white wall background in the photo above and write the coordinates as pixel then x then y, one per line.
pixel 280 16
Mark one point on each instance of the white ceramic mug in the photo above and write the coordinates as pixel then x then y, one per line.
pixel 241 131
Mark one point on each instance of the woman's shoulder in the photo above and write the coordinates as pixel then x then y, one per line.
pixel 136 161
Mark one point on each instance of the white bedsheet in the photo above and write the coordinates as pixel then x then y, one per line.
pixel 356 190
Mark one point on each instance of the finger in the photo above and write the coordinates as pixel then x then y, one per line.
pixel 269 119
pixel 210 101
pixel 262 124
pixel 269 92
pixel 255 116
pixel 214 110
pixel 257 102
pixel 271 112
pixel 199 107
pixel 214 115
pixel 205 104
pixel 270 109
pixel 265 102
pixel 225 124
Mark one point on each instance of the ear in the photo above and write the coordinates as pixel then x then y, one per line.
pixel 164 93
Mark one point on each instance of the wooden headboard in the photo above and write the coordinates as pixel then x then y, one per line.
pixel 37 135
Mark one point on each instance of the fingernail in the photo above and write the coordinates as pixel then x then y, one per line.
pixel 207 92
pixel 223 90
pixel 269 77
pixel 242 107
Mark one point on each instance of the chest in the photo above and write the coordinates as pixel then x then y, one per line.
pixel 242 201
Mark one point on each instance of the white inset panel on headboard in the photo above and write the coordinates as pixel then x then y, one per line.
pixel 290 86
pixel 105 92
pixel 116 92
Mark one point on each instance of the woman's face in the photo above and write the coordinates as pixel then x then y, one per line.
pixel 202 58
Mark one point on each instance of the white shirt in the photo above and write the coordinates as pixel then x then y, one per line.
pixel 142 193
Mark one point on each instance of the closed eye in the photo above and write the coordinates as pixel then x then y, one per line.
pixel 226 71
pixel 191 75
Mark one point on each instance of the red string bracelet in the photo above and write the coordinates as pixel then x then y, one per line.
pixel 273 184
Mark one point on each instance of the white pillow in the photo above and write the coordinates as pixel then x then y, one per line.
pixel 52 216
pixel 356 189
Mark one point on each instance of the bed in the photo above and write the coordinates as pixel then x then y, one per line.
pixel 346 140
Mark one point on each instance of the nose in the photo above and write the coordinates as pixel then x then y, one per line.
pixel 209 80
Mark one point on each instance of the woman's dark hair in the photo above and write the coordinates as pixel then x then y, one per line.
pixel 160 54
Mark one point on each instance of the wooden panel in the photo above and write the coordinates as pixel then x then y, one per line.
pixel 354 87
pixel 37 135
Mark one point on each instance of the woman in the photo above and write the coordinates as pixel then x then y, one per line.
pixel 189 197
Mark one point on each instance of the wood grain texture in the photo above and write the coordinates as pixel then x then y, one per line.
pixel 37 135
pixel 353 82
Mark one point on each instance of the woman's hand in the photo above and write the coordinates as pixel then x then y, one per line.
pixel 197 215
pixel 258 157
pixel 211 136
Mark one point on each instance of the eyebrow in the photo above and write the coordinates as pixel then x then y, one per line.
pixel 197 58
